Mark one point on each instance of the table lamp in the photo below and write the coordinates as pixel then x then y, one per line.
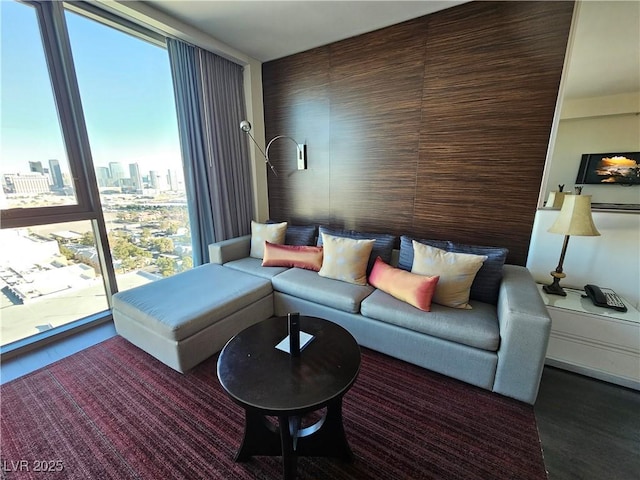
pixel 574 219
pixel 556 198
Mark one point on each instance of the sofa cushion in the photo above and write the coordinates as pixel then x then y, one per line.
pixel 383 246
pixel 301 256
pixel 456 272
pixel 486 285
pixel 179 306
pixel 405 259
pixel 263 232
pixel 254 267
pixel 345 259
pixel 310 286
pixel 299 234
pixel 476 328
pixel 416 290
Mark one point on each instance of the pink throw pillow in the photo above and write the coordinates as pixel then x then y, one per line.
pixel 301 256
pixel 416 290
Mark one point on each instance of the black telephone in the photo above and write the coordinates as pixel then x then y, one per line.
pixel 607 298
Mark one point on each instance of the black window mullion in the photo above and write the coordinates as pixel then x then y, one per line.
pixel 22 217
pixel 83 154
pixel 60 65
pixel 67 96
pixel 99 14
pixel 27 217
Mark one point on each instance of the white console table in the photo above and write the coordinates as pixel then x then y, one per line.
pixel 598 342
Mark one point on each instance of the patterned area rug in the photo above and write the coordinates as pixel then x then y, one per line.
pixel 112 411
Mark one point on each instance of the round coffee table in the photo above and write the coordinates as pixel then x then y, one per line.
pixel 266 381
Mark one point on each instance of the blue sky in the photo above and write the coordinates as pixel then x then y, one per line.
pixel 125 86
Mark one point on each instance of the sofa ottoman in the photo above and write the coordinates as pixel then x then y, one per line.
pixel 184 319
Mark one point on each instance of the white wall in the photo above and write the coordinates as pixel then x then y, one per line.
pixel 595 125
pixel 592 125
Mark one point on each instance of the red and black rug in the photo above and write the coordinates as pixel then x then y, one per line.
pixel 112 411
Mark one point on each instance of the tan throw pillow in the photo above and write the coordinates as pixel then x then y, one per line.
pixel 261 232
pixel 345 259
pixel 456 272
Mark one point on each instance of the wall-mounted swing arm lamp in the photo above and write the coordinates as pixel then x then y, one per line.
pixel 245 126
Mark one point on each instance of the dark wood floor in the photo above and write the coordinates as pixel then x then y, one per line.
pixel 589 429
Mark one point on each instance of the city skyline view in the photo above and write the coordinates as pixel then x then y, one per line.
pixel 59 177
pixel 132 124
pixel 53 268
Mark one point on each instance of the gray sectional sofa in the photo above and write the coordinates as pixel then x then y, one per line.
pixel 184 319
pixel 499 345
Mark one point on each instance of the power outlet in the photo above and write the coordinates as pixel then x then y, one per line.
pixel 302 156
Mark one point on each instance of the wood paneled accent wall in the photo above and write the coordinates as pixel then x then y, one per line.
pixel 436 127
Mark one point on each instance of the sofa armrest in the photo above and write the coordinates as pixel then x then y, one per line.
pixel 525 326
pixel 228 250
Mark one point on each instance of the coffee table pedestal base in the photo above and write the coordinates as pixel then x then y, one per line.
pixel 326 438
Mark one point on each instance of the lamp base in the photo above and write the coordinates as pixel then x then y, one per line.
pixel 555 288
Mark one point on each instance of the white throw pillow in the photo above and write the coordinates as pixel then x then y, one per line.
pixel 345 259
pixel 456 271
pixel 266 232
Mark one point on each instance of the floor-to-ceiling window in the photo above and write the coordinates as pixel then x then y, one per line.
pixel 93 197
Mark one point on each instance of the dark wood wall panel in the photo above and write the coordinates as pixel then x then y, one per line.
pixel 298 106
pixel 376 93
pixel 491 80
pixel 436 127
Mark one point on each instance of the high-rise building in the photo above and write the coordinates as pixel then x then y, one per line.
pixel 26 183
pixel 155 179
pixel 117 173
pixel 56 173
pixel 136 179
pixel 172 175
pixel 103 174
pixel 67 181
pixel 36 167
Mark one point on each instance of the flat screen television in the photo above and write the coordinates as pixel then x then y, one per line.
pixel 615 168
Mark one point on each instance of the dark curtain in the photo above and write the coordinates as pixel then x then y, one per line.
pixel 210 106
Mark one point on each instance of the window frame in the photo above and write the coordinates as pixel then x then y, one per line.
pixel 69 110
pixel 66 93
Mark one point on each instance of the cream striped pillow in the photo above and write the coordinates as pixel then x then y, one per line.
pixel 345 259
pixel 456 271
pixel 266 232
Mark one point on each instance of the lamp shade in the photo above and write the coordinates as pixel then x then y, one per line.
pixel 555 199
pixel 575 217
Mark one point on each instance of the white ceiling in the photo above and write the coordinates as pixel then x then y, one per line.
pixel 605 57
pixel 266 30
